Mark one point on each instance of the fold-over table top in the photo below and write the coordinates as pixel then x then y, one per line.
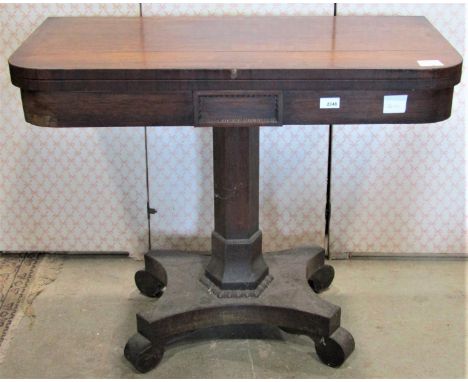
pixel 277 47
pixel 235 71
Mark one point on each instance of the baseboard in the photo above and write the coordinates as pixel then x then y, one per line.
pixel 397 256
pixel 67 253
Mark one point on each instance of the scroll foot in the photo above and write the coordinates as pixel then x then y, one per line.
pixel 322 278
pixel 334 350
pixel 152 280
pixel 142 354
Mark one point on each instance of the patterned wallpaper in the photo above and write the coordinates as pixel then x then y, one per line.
pixel 401 188
pixel 66 189
pixel 395 188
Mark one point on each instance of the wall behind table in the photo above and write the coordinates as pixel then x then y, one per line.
pixel 401 188
pixel 395 188
pixel 66 189
pixel 293 164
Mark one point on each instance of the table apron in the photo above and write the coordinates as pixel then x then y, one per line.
pixel 231 108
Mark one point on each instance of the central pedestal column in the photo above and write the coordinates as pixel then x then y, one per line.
pixel 236 262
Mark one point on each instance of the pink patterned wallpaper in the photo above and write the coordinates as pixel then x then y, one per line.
pixel 395 188
pixel 66 189
pixel 401 188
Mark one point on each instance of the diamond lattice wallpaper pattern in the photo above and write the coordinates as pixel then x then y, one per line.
pixel 66 189
pixel 401 188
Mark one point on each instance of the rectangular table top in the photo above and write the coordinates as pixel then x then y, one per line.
pixel 250 47
pixel 235 70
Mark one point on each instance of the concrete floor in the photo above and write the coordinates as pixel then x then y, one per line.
pixel 408 319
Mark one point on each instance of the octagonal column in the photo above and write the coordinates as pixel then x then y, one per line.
pixel 236 261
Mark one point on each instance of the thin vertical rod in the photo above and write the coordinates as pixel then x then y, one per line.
pixel 329 175
pixel 147 191
pixel 148 215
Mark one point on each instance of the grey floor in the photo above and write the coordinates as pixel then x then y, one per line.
pixel 408 319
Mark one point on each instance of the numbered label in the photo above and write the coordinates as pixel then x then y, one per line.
pixel 330 103
pixel 430 63
pixel 395 104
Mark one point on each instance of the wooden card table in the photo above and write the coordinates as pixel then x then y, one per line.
pixel 235 74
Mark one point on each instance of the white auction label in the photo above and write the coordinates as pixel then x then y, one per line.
pixel 395 104
pixel 330 103
pixel 430 63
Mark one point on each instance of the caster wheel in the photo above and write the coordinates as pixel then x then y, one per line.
pixel 148 284
pixel 334 350
pixel 142 354
pixel 321 278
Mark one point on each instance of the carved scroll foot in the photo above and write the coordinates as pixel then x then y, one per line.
pixel 142 353
pixel 319 275
pixel 152 280
pixel 334 350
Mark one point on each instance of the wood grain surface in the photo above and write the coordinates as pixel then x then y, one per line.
pixel 123 71
pixel 65 47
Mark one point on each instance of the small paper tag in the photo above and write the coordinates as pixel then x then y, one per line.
pixel 330 103
pixel 394 104
pixel 430 63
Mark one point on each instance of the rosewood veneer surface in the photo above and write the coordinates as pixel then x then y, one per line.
pixel 149 71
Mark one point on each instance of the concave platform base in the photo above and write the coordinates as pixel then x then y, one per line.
pixel 186 305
